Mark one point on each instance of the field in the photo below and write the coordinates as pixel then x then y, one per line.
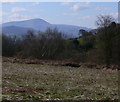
pixel 47 82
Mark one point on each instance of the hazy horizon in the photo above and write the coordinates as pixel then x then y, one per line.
pixel 82 14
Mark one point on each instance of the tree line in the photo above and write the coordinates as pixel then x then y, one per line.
pixel 100 46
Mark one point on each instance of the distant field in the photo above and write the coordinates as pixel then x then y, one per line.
pixel 36 82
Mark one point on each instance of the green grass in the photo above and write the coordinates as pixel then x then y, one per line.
pixel 36 82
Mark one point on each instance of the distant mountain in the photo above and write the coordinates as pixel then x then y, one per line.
pixel 21 27
pixel 15 30
pixel 37 24
pixel 70 30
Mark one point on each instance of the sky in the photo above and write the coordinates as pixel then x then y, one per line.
pixel 73 13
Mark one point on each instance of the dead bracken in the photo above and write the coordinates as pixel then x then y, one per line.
pixel 59 63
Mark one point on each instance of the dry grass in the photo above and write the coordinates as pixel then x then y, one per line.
pixel 35 81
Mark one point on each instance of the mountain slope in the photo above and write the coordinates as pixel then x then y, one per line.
pixel 70 29
pixel 11 30
pixel 40 25
pixel 33 23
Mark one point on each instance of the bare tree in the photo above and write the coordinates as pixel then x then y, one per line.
pixel 104 20
pixel 106 34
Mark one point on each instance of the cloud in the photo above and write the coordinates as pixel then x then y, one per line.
pixel 81 6
pixel 87 17
pixel 8 17
pixel 18 17
pixel 1 12
pixel 36 3
pixel 71 14
pixel 4 13
pixel 115 15
pixel 10 0
pixel 102 8
pixel 15 17
pixel 16 9
pixel 65 3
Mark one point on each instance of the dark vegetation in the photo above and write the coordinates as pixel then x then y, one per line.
pixel 101 46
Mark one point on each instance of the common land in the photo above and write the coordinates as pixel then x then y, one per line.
pixel 48 82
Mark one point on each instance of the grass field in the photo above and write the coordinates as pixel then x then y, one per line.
pixel 36 82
